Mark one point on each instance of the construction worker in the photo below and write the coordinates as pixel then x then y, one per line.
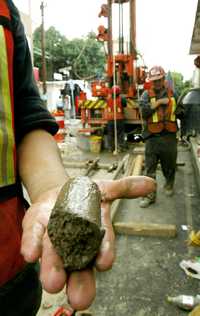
pixel 159 112
pixel 113 113
pixel 29 155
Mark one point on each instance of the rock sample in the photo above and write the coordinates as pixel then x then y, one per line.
pixel 75 223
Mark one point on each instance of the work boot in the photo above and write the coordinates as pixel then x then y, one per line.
pixel 147 200
pixel 168 188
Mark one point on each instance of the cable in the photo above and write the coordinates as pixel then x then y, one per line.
pixel 114 99
pixel 115 112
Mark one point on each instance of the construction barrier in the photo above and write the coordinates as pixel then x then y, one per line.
pixel 91 104
pixel 95 144
pixel 60 119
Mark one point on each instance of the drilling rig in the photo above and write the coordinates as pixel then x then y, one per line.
pixel 122 69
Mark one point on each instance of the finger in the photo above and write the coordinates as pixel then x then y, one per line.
pixel 136 186
pixel 34 226
pixel 81 289
pixel 128 187
pixel 33 232
pixel 52 273
pixel 106 256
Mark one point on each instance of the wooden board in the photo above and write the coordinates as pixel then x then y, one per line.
pixel 128 172
pixel 145 229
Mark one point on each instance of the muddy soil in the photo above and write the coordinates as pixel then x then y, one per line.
pixel 74 226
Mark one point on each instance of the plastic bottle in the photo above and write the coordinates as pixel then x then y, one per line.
pixel 186 302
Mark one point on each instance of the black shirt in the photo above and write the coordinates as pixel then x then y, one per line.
pixel 29 111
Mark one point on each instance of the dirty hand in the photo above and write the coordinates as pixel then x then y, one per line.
pixel 80 285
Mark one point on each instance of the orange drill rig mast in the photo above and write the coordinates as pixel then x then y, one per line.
pixel 119 41
pixel 122 62
pixel 121 54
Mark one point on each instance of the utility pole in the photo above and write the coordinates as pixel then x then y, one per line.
pixel 44 71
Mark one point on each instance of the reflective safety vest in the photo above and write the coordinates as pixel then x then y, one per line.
pixel 11 209
pixel 164 117
pixel 7 139
pixel 110 110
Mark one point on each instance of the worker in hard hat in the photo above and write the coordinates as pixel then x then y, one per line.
pixel 159 111
pixel 114 111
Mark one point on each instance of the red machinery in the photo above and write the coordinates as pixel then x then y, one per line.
pixel 121 63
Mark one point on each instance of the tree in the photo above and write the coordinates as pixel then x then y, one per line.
pixel 83 57
pixel 90 59
pixel 179 84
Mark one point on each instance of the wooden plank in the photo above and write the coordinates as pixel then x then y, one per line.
pixel 128 172
pixel 195 311
pixel 138 165
pixel 139 150
pixel 145 229
pixel 76 164
pixel 86 164
pixel 119 168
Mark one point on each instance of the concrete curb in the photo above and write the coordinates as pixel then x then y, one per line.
pixel 195 148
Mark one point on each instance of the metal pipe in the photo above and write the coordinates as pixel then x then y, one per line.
pixel 44 71
pixel 132 27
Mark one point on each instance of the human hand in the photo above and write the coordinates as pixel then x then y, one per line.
pixel 157 103
pixel 163 101
pixel 80 285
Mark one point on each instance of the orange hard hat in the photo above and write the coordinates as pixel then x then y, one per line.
pixel 116 90
pixel 156 73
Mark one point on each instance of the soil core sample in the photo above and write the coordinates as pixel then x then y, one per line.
pixel 74 226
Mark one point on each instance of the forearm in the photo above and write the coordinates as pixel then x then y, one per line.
pixel 40 165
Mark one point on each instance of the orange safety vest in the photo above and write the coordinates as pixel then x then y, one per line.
pixel 7 139
pixel 11 210
pixel 110 110
pixel 164 118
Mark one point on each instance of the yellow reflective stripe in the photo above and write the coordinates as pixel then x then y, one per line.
pixel 104 105
pixel 84 104
pixel 155 114
pixel 7 167
pixel 95 104
pixel 89 104
pixel 131 103
pixel 173 116
pixel 100 104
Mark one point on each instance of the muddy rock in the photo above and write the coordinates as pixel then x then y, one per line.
pixel 75 223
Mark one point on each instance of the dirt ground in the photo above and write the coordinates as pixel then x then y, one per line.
pixel 146 269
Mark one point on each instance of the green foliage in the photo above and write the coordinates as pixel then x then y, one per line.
pixel 84 58
pixel 179 84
